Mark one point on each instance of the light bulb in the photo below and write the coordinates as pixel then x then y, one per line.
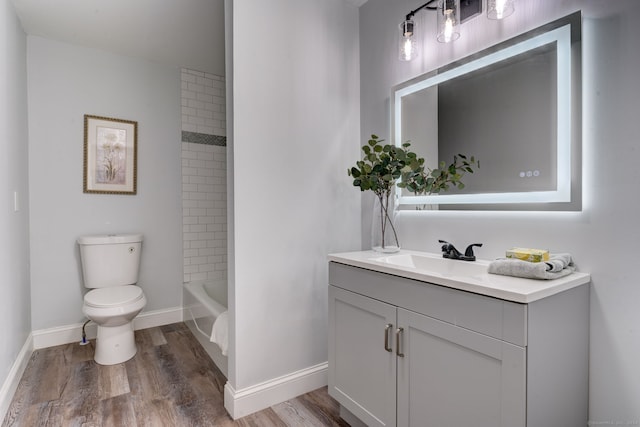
pixel 408 48
pixel 500 9
pixel 448 26
pixel 448 20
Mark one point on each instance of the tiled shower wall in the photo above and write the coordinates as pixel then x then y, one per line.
pixel 204 176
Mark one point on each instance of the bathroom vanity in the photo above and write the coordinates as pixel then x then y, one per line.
pixel 418 340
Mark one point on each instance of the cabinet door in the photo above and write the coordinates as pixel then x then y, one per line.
pixel 453 377
pixel 362 372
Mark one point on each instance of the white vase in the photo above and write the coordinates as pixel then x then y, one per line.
pixel 384 236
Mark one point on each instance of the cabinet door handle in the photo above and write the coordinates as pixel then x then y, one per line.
pixel 386 337
pixel 398 334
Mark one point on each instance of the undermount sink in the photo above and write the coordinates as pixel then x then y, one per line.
pixel 435 264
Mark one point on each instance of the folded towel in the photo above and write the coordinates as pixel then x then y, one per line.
pixel 558 262
pixel 558 265
pixel 220 332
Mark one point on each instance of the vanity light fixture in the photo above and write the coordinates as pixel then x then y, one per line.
pixel 451 14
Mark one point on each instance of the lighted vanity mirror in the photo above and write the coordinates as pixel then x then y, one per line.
pixel 516 107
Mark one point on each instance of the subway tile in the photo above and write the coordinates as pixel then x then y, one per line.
pixel 198 244
pixel 206 204
pixel 213 227
pixel 208 252
pixel 205 155
pixel 189 111
pixel 206 114
pixel 198 260
pixel 189 187
pixel 186 127
pixel 189 154
pixel 205 268
pixel 205 81
pixel 190 269
pixel 197 163
pixel 216 275
pixel 195 103
pixel 191 253
pixel 188 220
pixel 190 204
pixel 194 72
pixel 197 228
pixel 195 87
pixel 195 120
pixel 204 97
pixel 188 94
pixel 199 276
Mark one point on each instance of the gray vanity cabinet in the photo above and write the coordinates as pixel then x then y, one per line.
pixel 409 353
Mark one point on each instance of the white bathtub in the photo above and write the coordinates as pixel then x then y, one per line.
pixel 203 303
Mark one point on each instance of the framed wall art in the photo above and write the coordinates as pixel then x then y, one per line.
pixel 110 155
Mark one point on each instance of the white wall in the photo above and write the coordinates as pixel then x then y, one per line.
pixel 65 82
pixel 15 308
pixel 603 237
pixel 295 132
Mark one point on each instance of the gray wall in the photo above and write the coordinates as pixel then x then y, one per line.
pixel 66 82
pixel 603 236
pixel 294 134
pixel 15 307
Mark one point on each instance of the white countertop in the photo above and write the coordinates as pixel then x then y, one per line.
pixel 471 278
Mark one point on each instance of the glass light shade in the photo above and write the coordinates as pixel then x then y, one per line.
pixel 408 43
pixel 500 9
pixel 448 20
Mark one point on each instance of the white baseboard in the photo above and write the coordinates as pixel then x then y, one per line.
pixel 240 403
pixel 15 374
pixel 51 337
pixel 154 318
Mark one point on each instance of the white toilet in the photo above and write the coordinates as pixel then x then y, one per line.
pixel 110 265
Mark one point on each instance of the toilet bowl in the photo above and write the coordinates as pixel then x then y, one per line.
pixel 110 267
pixel 113 310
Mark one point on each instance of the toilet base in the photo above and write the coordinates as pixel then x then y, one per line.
pixel 115 344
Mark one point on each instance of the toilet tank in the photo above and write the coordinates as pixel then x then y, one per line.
pixel 110 259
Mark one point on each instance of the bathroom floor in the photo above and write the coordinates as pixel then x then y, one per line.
pixel 170 382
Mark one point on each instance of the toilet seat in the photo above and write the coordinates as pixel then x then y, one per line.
pixel 113 296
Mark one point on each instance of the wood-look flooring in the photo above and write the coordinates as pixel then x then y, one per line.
pixel 170 382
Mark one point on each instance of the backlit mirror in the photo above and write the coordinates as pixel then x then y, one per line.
pixel 516 108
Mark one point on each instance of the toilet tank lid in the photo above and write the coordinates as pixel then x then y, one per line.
pixel 110 239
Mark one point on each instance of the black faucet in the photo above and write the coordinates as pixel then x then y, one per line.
pixel 450 251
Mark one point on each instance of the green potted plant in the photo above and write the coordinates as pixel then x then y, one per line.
pixel 385 165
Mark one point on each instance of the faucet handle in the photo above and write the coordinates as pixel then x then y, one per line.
pixel 469 251
pixel 449 251
pixel 446 246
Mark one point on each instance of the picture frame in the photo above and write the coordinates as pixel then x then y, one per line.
pixel 110 155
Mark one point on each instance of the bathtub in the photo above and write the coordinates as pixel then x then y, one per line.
pixel 203 303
